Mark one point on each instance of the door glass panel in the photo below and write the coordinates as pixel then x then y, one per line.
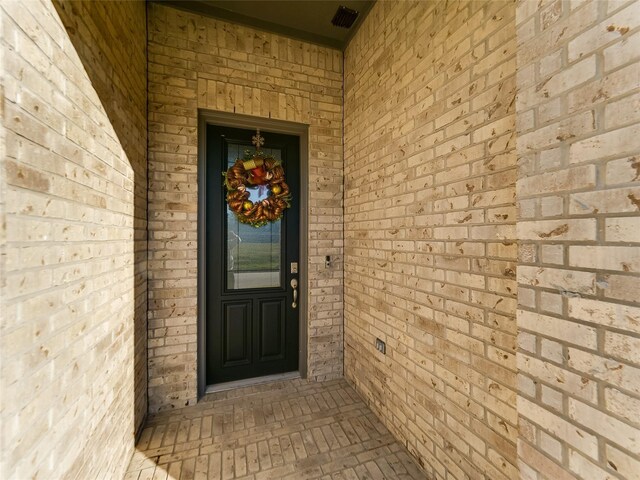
pixel 253 254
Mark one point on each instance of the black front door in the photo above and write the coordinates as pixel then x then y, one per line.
pixel 251 323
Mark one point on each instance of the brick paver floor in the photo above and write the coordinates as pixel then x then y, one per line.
pixel 293 430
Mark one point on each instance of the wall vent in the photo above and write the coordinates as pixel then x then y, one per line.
pixel 344 17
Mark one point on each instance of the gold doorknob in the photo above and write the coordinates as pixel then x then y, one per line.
pixel 294 285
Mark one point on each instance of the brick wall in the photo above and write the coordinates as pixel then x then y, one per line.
pixel 68 290
pixel 579 231
pixel 199 62
pixel 430 171
pixel 110 39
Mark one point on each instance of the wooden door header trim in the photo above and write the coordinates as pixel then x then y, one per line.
pixel 239 120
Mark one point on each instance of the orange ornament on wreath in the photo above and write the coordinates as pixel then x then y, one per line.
pixel 257 171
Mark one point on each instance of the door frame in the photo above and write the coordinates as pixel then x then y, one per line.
pixel 236 120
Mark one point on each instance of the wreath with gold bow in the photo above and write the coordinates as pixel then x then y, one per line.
pixel 259 171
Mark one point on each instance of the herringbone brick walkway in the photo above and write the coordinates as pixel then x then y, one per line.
pixel 293 430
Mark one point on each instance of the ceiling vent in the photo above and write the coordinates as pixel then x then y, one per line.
pixel 344 17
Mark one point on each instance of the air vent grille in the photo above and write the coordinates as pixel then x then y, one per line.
pixel 344 17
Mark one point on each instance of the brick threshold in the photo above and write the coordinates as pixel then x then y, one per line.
pixel 251 382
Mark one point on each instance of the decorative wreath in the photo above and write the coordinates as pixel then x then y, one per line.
pixel 261 171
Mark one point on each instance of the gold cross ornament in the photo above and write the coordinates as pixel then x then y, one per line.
pixel 257 140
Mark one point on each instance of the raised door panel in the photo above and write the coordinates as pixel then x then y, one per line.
pixel 236 332
pixel 272 329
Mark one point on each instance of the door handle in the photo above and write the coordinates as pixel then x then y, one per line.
pixel 294 285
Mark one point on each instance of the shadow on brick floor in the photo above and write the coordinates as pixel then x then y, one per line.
pixel 283 430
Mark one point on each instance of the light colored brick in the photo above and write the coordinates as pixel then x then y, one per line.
pixel 623 111
pixel 618 432
pixel 551 206
pixel 610 371
pixel 74 133
pixel 619 200
pixel 551 350
pixel 526 386
pixel 557 328
pixel 621 462
pixel 585 468
pixel 624 170
pixel 622 52
pixel 532 460
pixel 625 259
pixel 551 398
pixel 576 169
pixel 558 279
pixel 558 377
pixel 557 230
pixel 551 302
pixel 623 405
pixel 576 178
pixel 618 83
pixel 563 81
pixel 604 313
pixel 605 32
pixel 289 430
pixel 436 256
pixel 552 254
pixel 621 141
pixel 620 287
pixel 224 72
pixel 623 347
pixel 566 431
pixel 460 140
pixel 551 446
